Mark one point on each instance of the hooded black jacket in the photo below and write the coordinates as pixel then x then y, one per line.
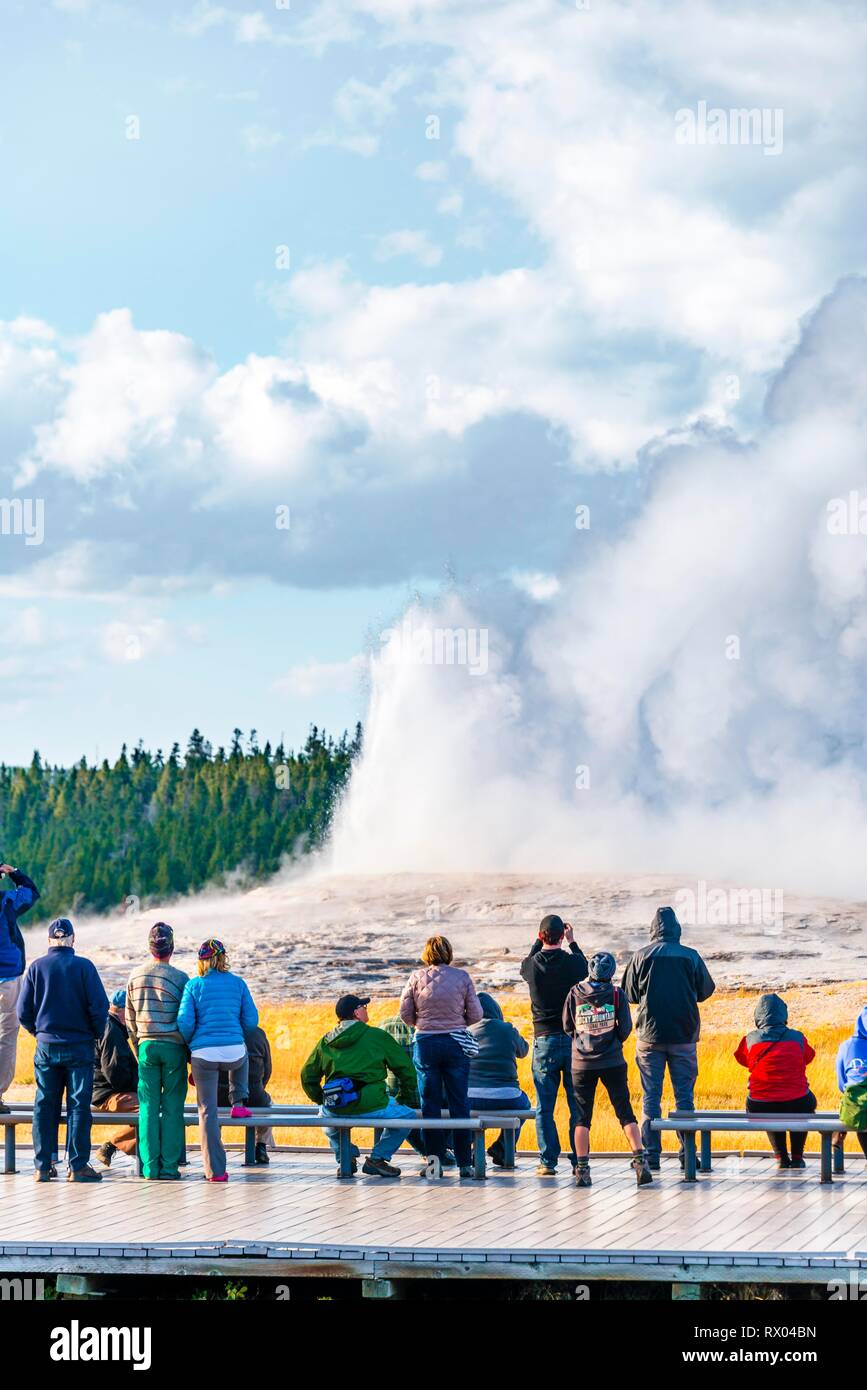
pixel 667 981
pixel 116 1068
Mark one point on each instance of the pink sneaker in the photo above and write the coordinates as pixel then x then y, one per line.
pixel 218 1177
pixel 240 1112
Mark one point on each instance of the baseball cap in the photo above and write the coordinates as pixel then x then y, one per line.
pixel 118 999
pixel 347 1004
pixel 60 928
pixel 161 938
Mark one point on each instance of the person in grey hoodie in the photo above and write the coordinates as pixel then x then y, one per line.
pixel 494 1085
pixel 667 981
pixel 596 1017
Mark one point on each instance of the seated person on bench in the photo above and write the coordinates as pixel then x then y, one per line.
pixel 852 1081
pixel 259 1060
pixel 777 1058
pixel 494 1085
pixel 115 1079
pixel 345 1075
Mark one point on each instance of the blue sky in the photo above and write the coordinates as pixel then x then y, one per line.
pixel 473 333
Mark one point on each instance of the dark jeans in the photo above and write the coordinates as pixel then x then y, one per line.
pixel 58 1066
pixel 652 1060
pixel 616 1082
pixel 552 1068
pixel 443 1067
pixel 484 1105
pixel 804 1105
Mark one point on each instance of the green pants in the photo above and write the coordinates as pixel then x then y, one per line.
pixel 162 1090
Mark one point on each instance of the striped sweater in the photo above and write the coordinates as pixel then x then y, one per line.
pixel 153 996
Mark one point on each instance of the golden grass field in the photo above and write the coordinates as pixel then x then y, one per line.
pixel 826 1013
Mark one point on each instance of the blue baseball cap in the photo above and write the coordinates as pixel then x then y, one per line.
pixel 60 928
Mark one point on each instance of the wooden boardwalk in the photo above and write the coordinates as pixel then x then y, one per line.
pixel 743 1221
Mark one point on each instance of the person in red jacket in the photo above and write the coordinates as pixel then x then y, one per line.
pixel 777 1058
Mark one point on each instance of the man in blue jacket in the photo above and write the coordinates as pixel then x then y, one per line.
pixel 63 1003
pixel 12 963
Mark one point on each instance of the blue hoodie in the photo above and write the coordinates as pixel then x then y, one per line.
pixel 12 904
pixel 852 1056
pixel 216 1010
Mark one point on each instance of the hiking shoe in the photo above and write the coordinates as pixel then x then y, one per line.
pixel 467 1172
pixel 448 1160
pixel 85 1174
pixel 654 1165
pixel 240 1112
pixel 545 1170
pixel 582 1175
pixel 378 1168
pixel 797 1163
pixel 169 1177
pixel 105 1153
pixel 218 1177
pixel 262 1153
pixel 783 1160
pixel 353 1169
pixel 681 1161
pixel 641 1169
pixel 44 1174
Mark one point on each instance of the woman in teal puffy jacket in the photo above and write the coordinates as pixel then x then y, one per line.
pixel 216 1011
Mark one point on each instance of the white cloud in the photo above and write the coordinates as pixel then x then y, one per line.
pixel 361 110
pixel 432 171
pixel 452 204
pixel 416 244
pixel 323 677
pixel 260 137
pixel 125 642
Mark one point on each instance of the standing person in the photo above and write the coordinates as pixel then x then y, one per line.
pixel 259 1062
pixel 63 1004
pixel 345 1075
pixel 550 973
pixel 596 1017
pixel 667 981
pixel 216 1011
pixel 13 903
pixel 494 1085
pixel 440 1000
pixel 115 1079
pixel 777 1058
pixel 852 1081
pixel 153 997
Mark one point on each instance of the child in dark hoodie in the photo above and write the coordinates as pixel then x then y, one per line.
pixel 596 1016
pixel 852 1081
pixel 777 1058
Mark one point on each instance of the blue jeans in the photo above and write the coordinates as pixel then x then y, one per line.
pixel 483 1105
pixel 58 1066
pixel 682 1062
pixel 389 1140
pixel 552 1067
pixel 443 1067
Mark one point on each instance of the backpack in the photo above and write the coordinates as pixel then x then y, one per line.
pixel 853 1106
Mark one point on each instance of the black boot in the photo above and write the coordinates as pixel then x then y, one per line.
pixel 105 1153
pixel 641 1168
pixel 262 1153
pixel 582 1173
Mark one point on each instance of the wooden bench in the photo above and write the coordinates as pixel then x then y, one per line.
pixel 707 1122
pixel 294 1117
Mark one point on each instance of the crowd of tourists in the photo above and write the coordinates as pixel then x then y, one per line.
pixel 449 1052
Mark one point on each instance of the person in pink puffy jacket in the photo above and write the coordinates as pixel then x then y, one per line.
pixel 441 1002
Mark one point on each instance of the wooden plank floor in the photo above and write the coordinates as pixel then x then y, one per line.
pixel 743 1213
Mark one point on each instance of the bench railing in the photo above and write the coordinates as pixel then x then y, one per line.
pixel 705 1123
pixel 297 1117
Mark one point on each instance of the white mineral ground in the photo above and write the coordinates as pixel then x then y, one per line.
pixel 313 936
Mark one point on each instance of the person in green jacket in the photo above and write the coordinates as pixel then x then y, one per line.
pixel 345 1075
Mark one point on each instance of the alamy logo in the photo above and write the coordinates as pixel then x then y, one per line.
pixel 23 517
pixel 728 907
pixel 77 1343
pixel 421 645
pixel 735 126
pixel 22 1290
